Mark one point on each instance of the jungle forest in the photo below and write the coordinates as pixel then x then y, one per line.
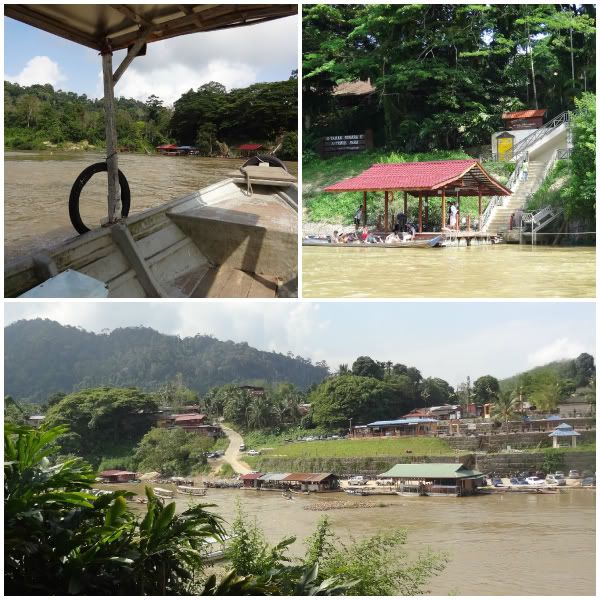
pixel 211 117
pixel 441 75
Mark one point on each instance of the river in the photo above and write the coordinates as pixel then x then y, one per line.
pixel 487 271
pixel 508 544
pixel 37 187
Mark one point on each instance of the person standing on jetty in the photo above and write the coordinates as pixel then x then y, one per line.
pixel 358 217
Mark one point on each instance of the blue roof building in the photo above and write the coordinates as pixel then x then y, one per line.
pixel 564 435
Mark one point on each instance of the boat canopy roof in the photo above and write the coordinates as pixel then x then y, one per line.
pixel 119 25
pixel 466 176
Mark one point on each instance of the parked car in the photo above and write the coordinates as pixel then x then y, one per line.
pixel 212 455
pixel 357 480
pixel 588 482
pixel 537 481
pixel 554 480
pixel 574 474
pixel 253 453
pixel 559 475
pixel 242 447
pixel 497 482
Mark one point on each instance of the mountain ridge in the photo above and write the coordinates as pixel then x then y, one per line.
pixel 74 358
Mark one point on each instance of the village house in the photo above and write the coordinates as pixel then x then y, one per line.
pixel 303 482
pixel 117 476
pixel 191 422
pixel 410 426
pixel 435 479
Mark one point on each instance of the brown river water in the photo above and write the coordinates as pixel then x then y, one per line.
pixel 502 545
pixel 487 271
pixel 37 187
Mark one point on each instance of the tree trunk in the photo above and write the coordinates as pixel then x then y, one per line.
pixel 572 59
pixel 532 67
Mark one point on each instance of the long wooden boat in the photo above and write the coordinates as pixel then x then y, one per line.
pixel 430 243
pixel 164 493
pixel 191 491
pixel 221 241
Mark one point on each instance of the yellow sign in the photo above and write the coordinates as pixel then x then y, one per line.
pixel 505 146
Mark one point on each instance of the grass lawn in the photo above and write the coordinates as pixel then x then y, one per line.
pixel 322 206
pixel 363 448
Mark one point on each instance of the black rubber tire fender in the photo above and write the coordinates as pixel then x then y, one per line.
pixel 78 186
pixel 273 161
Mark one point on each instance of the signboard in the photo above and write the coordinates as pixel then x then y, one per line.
pixel 505 142
pixel 341 144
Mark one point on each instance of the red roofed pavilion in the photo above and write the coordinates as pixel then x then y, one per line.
pixel 424 180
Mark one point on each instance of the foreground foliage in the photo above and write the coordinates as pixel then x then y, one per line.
pixel 60 539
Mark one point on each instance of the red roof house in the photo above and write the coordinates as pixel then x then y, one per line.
pixel 524 119
pixel 250 147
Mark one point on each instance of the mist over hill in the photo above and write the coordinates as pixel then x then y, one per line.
pixel 42 357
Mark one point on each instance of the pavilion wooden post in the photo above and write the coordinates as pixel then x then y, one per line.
pixel 457 211
pixel 443 208
pixel 385 217
pixel 468 222
pixel 406 204
pixel 427 211
pixel 112 161
pixel 420 212
pixel 479 209
pixel 364 208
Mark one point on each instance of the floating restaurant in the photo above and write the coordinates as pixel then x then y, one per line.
pixel 434 479
pixel 427 181
pixel 303 482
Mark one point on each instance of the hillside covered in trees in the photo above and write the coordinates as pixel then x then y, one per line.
pixel 43 357
pixel 211 118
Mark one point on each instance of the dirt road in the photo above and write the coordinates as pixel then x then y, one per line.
pixel 232 454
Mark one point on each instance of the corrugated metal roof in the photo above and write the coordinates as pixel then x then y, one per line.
pixel 112 472
pixel 250 476
pixel 563 430
pixel 273 476
pixel 308 477
pixel 121 24
pixel 354 88
pixel 525 114
pixel 192 417
pixel 407 421
pixel 250 146
pixel 426 176
pixel 431 470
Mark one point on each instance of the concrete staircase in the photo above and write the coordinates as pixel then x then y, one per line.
pixel 500 218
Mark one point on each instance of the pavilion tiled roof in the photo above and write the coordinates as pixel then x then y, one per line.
pixel 466 174
pixel 250 147
pixel 525 114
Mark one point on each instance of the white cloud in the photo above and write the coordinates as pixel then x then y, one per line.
pixel 559 349
pixel 39 69
pixel 170 82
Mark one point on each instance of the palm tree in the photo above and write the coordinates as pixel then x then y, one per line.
pixel 260 412
pixel 505 405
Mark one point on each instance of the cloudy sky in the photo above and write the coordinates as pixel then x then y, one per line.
pixel 445 339
pixel 236 58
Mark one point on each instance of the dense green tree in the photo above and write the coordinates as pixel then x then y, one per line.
pixel 172 451
pixel 101 418
pixel 585 369
pixel 362 399
pixel 485 389
pixel 436 391
pixel 505 406
pixel 365 366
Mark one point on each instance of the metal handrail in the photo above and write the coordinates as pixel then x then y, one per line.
pixel 538 134
pixel 499 200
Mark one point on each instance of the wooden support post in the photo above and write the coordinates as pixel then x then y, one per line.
pixel 386 216
pixel 443 208
pixel 479 209
pixel 364 208
pixel 457 211
pixel 112 161
pixel 468 222
pixel 406 204
pixel 427 211
pixel 420 212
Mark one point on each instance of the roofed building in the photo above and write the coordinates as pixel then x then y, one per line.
pixel 117 476
pixel 313 482
pixel 408 426
pixel 435 479
pixel 564 436
pixel 428 181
